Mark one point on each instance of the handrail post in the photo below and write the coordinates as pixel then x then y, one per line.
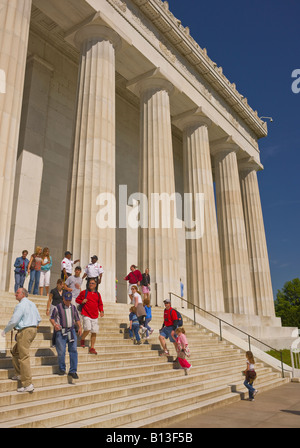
pixel 194 314
pixel 281 359
pixel 220 322
pixel 249 342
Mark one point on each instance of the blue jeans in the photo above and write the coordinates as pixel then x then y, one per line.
pixel 135 328
pixel 250 388
pixel 61 345
pixel 34 278
pixel 147 326
pixel 19 280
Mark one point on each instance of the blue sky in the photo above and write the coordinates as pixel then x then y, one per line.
pixel 257 43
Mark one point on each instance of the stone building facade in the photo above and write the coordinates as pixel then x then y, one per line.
pixel 114 97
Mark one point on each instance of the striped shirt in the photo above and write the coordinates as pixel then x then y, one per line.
pixel 65 316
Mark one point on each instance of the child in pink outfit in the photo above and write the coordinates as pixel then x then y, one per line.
pixel 183 350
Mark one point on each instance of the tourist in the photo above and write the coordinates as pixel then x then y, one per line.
pixel 34 269
pixel 25 320
pixel 140 309
pixel 55 297
pixel 91 306
pixel 145 282
pixel 21 266
pixel 169 326
pixel 45 271
pixel 64 318
pixel 148 318
pixel 250 376
pixel 93 271
pixel 73 284
pixel 134 278
pixel 182 348
pixel 67 265
pixel 134 325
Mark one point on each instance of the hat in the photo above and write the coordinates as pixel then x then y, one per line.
pixel 167 301
pixel 67 295
pixel 67 253
pixel 94 256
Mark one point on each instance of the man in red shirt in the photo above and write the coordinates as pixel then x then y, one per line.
pixel 134 278
pixel 169 326
pixel 92 305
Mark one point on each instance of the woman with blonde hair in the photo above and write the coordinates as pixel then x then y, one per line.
pixel 250 375
pixel 140 309
pixel 45 271
pixel 34 269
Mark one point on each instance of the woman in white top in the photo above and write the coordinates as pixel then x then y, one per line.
pixel 250 375
pixel 140 309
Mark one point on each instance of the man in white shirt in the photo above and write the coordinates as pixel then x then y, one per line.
pixel 25 320
pixel 93 271
pixel 73 284
pixel 67 266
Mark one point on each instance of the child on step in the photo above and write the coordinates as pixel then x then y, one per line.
pixel 134 325
pixel 183 350
pixel 147 307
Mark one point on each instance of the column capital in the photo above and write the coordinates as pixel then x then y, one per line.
pixel 192 118
pixel 154 79
pixel 249 164
pixel 96 32
pixel 223 146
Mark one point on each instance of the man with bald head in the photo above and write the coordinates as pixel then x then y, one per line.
pixel 25 320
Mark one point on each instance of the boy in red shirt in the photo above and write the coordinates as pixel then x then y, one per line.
pixel 91 306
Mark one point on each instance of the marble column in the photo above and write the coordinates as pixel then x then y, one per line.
pixel 256 238
pixel 14 30
pixel 158 244
pixel 93 178
pixel 30 164
pixel 237 285
pixel 204 275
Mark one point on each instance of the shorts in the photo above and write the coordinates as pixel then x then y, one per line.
pixel 90 324
pixel 145 290
pixel 166 333
pixel 44 279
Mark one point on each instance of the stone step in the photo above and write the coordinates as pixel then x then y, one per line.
pixel 108 410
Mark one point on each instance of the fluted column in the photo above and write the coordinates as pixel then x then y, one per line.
pixel 94 154
pixel 14 29
pixel 158 245
pixel 237 286
pixel 203 265
pixel 256 238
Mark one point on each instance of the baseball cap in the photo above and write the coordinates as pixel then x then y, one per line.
pixel 68 253
pixel 67 295
pixel 167 301
pixel 94 256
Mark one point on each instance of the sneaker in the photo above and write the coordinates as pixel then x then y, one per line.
pixel 73 375
pixel 138 342
pixel 255 392
pixel 92 351
pixel 29 388
pixel 61 372
pixel 16 378
pixel 82 343
pixel 151 331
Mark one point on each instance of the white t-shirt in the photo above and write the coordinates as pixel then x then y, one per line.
pixel 72 282
pixel 93 270
pixel 67 265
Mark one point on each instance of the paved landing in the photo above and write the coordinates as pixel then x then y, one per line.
pixel 277 408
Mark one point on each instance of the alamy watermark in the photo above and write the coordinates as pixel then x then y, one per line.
pixel 160 210
pixel 296 83
pixel 2 81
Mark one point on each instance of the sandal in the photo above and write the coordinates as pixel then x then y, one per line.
pixel 165 353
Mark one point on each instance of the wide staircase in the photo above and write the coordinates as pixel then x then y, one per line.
pixel 124 385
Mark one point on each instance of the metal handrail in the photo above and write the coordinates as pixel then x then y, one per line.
pixel 227 323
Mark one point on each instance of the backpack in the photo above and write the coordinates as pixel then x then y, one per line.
pixel 179 318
